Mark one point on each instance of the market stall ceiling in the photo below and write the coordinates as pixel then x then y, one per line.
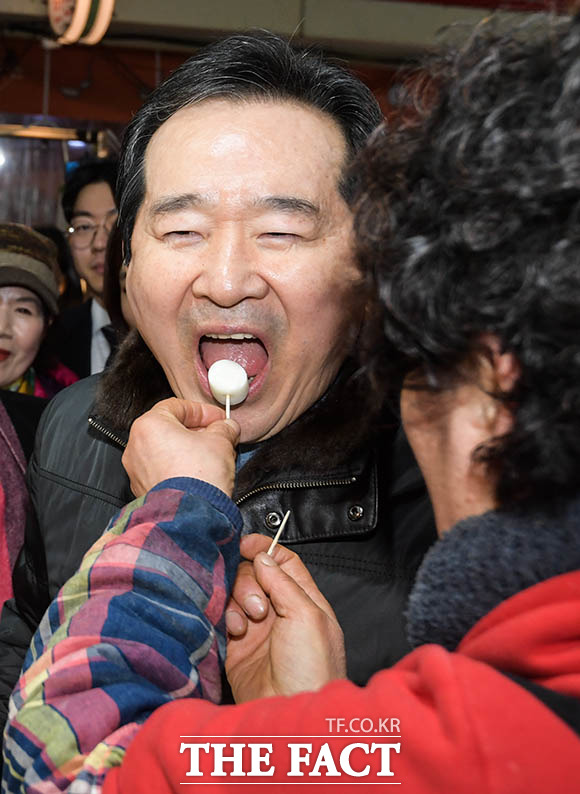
pixel 357 28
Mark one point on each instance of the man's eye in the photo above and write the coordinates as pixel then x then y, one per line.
pixel 287 237
pixel 182 235
pixel 84 228
pixel 24 310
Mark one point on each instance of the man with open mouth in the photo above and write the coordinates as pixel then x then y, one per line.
pixel 237 231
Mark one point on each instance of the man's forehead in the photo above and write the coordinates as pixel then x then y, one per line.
pixel 94 197
pixel 255 107
pixel 284 138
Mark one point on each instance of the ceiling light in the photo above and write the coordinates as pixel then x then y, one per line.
pixel 85 21
pixel 101 23
pixel 68 18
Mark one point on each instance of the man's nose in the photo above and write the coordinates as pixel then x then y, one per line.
pixel 229 271
pixel 100 238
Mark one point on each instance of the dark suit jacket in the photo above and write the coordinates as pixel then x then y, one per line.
pixel 72 338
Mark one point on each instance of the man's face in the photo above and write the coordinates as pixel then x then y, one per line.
pixel 93 218
pixel 242 250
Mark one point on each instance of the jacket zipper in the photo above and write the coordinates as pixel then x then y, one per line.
pixel 292 485
pixel 106 432
pixel 275 486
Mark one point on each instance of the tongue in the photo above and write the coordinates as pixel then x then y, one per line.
pixel 251 355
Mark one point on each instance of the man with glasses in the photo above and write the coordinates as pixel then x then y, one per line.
pixel 89 208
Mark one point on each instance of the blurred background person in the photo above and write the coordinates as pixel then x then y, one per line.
pixel 29 373
pixel 28 305
pixel 69 288
pixel 84 339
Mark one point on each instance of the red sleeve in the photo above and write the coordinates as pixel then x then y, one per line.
pixel 436 722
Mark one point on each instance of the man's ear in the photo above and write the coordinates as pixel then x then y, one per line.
pixel 505 368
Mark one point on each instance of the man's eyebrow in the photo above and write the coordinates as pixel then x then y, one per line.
pixel 87 214
pixel 186 201
pixel 28 299
pixel 168 204
pixel 288 204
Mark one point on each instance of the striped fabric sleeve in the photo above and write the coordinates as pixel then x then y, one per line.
pixel 141 623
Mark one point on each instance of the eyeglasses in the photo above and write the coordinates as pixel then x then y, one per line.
pixel 82 234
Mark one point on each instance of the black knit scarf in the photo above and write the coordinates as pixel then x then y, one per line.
pixel 481 562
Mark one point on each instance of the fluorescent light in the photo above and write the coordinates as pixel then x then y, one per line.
pixel 38 131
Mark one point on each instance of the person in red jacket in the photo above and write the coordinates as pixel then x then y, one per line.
pixel 470 213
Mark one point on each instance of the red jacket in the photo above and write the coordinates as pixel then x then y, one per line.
pixel 463 726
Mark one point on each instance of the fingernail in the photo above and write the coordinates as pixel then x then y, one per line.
pixel 254 606
pixel 265 559
pixel 234 623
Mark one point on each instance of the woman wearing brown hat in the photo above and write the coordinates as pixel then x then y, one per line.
pixel 28 304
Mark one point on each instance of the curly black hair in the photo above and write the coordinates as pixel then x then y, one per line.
pixel 469 214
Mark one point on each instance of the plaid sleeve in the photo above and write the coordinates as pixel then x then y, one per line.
pixel 140 624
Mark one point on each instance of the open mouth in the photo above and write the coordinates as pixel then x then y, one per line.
pixel 4 355
pixel 243 348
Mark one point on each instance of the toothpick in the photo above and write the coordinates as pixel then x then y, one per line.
pixel 277 535
pixel 227 406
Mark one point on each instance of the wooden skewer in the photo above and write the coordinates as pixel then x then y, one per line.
pixel 227 406
pixel 277 535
